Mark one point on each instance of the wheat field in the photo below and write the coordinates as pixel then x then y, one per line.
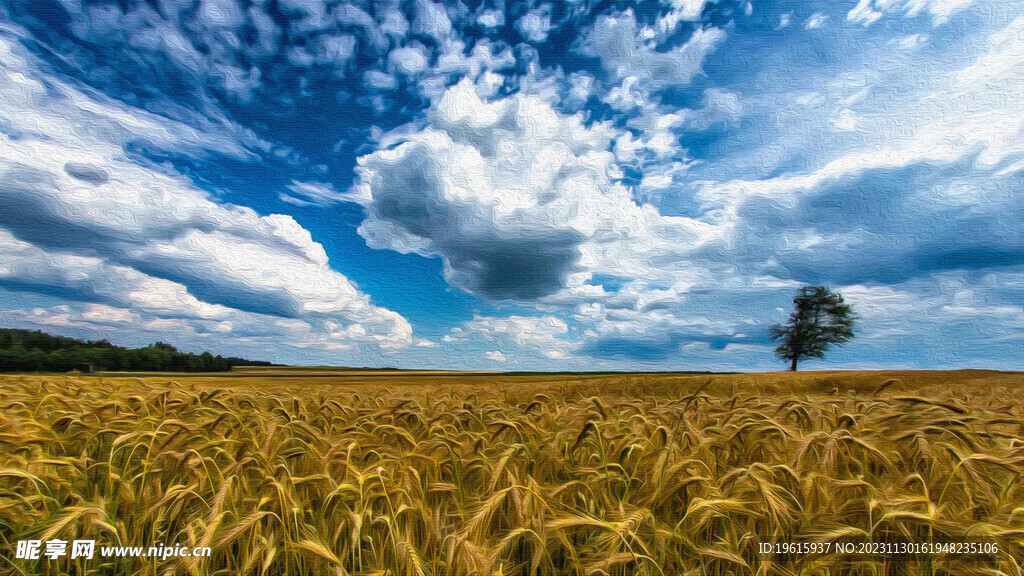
pixel 319 472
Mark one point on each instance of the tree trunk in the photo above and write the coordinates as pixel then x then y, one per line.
pixel 792 366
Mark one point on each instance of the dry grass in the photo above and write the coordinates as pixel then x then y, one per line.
pixel 404 474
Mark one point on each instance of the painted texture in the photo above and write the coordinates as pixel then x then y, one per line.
pixel 512 186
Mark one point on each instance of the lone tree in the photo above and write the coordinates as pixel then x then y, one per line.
pixel 820 319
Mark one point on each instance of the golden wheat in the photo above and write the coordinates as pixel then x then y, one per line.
pixel 611 475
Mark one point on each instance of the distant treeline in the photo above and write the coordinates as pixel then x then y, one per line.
pixel 27 351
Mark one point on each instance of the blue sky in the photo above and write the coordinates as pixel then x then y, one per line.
pixel 515 185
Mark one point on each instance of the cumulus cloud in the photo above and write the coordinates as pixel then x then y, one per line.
pixel 432 20
pixel 234 333
pixel 679 11
pixel 535 25
pixel 519 200
pixel 483 62
pixel 378 80
pixel 336 50
pixel 491 19
pixel 410 60
pixel 686 9
pixel 618 40
pixel 351 16
pixel 546 336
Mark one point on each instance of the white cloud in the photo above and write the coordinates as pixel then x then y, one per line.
pixel 349 15
pixel 315 10
pixel 868 12
pixel 94 316
pixel 675 279
pixel 864 13
pixel 687 9
pixel 409 60
pixel 817 20
pixel 482 63
pixel 379 80
pixel 483 56
pixel 949 305
pixel 619 42
pixel 311 193
pixel 224 14
pixel 496 356
pixel 432 19
pixel 846 119
pixel 911 41
pixel 267 31
pixel 524 201
pixel 491 19
pixel 641 309
pixel 391 20
pixel 298 56
pixel 489 83
pixel 680 11
pixel 720 107
pixel 942 10
pixel 336 50
pixel 536 334
pixel 103 314
pixel 535 25
pixel 581 87
pixel 238 333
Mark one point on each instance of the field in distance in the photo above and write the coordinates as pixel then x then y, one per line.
pixel 302 378
pixel 285 470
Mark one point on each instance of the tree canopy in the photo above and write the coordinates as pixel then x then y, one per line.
pixel 820 319
pixel 27 351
